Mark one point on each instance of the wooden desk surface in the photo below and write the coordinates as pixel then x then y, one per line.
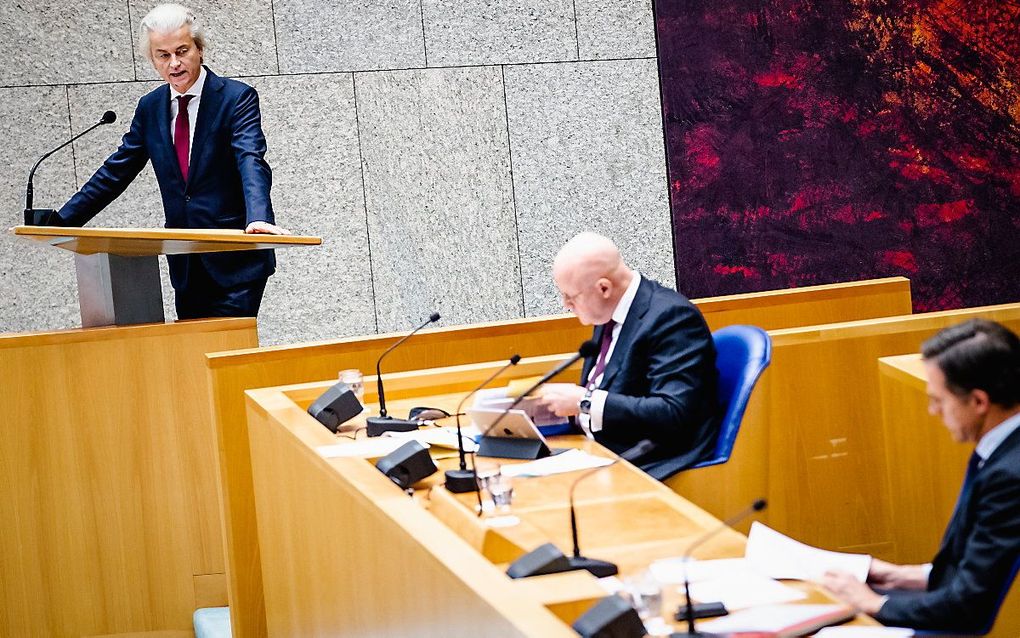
pixel 624 515
pixel 138 242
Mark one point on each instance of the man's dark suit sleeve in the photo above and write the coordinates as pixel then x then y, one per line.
pixel 106 185
pixel 677 349
pixel 966 602
pixel 249 144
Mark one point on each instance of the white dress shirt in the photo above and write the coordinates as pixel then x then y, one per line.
pixel 196 92
pixel 593 421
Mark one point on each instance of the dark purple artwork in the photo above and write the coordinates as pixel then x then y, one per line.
pixel 818 141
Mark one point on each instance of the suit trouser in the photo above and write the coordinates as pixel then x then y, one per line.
pixel 203 298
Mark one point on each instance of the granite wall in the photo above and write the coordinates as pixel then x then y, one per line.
pixel 442 149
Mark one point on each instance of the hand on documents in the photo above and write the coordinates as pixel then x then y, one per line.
pixel 562 398
pixel 847 588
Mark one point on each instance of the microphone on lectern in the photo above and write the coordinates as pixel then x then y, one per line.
pixel 383 423
pixel 757 506
pixel 48 216
pixel 463 480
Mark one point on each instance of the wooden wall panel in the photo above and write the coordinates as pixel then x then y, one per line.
pixel 109 504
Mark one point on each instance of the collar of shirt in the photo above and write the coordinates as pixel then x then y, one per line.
pixel 195 90
pixel 993 438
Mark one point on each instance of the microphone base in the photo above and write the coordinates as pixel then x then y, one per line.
pixel 41 217
pixel 379 424
pixel 598 568
pixel 461 481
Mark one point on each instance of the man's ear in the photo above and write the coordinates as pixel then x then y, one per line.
pixel 605 287
pixel 979 399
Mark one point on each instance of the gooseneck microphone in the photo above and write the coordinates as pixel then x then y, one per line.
pixel 757 506
pixel 548 559
pixel 600 568
pixel 587 349
pixel 463 480
pixel 383 423
pixel 45 216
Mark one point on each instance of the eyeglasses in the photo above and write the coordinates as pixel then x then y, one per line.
pixel 569 300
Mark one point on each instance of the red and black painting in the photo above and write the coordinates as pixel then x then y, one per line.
pixel 818 141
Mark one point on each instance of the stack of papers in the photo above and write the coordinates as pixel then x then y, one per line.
pixel 778 620
pixel 436 437
pixel 732 581
pixel 865 632
pixel 780 556
pixel 568 461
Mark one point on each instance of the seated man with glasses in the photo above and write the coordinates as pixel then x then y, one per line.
pixel 654 377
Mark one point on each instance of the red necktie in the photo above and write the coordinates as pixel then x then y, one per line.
pixel 182 133
pixel 600 364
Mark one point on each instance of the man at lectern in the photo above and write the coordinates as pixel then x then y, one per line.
pixel 654 377
pixel 973 374
pixel 204 136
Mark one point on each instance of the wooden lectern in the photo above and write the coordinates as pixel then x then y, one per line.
pixel 110 510
pixel 118 269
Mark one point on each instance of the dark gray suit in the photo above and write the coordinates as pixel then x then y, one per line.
pixel 978 551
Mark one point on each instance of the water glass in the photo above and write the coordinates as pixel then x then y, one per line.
pixel 645 594
pixel 355 381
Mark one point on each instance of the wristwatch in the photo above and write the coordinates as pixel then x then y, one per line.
pixel 584 405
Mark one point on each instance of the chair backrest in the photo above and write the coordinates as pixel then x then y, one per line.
pixel 742 354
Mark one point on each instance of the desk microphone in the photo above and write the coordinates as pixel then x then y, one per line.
pixel 45 216
pixel 757 506
pixel 382 423
pixel 587 349
pixel 547 559
pixel 463 480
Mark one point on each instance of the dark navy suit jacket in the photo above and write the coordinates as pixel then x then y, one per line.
pixel 229 179
pixel 661 380
pixel 978 551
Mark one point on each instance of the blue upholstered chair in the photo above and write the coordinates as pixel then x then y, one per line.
pixel 742 354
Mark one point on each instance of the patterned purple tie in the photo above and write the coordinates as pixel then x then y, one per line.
pixel 600 363
pixel 182 133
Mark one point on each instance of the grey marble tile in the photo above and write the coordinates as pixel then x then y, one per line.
pixel 324 35
pixel 239 34
pixel 50 42
pixel 613 29
pixel 37 288
pixel 437 173
pixel 588 154
pixel 317 292
pixel 461 32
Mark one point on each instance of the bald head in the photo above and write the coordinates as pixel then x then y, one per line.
pixel 591 276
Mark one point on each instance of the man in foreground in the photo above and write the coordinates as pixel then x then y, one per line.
pixel 204 136
pixel 973 374
pixel 654 377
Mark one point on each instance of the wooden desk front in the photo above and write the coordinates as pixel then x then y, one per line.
pixel 346 552
pixel 234 372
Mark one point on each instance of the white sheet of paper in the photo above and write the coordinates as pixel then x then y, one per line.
pixel 369 448
pixel 569 461
pixel 436 437
pixel 731 581
pixel 766 618
pixel 864 632
pixel 780 556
